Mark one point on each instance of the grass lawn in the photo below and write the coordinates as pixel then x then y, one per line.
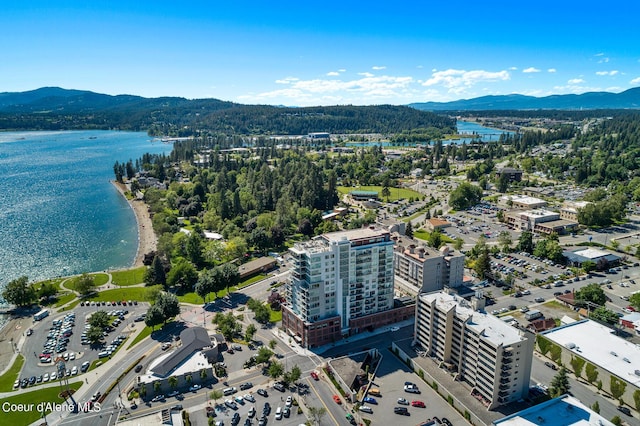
pixel 194 299
pixel 274 316
pixel 128 276
pixel 8 378
pixel 64 299
pixel 395 193
pixel 252 280
pixel 141 294
pixel 100 278
pixel 146 332
pixel 46 395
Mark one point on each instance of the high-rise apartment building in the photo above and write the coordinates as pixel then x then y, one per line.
pixel 421 269
pixel 341 282
pixel 490 355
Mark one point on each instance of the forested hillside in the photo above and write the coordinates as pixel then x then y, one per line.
pixel 56 109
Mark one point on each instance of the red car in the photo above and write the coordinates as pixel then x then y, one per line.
pixel 314 375
pixel 417 404
pixel 336 398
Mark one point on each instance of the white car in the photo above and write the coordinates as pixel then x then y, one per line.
pixel 72 356
pixel 53 376
pixel 395 328
pixel 366 409
pixel 74 371
pixel 45 378
pixel 249 398
pixel 289 401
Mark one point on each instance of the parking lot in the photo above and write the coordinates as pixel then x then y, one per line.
pixel 392 379
pixel 59 337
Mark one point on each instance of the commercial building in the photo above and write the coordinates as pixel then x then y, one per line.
pixel 341 283
pixel 540 221
pixel 562 411
pixel 364 195
pixel 490 355
pixel 523 201
pixel 598 346
pixel 420 269
pixel 601 258
pixel 261 264
pixel 569 210
pixel 514 175
pixel 197 351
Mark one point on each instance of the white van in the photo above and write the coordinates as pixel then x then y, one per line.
pixel 228 391
pixel 366 409
pixel 103 354
pixel 279 413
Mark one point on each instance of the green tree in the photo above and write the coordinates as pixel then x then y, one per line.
pixel 155 273
pixel 230 275
pixel 168 304
pixel 465 196
pixel 295 374
pixel 273 343
pixel 154 316
pixel 182 275
pixel 47 289
pixel 616 420
pixel 588 266
pixel 385 193
pixel 194 249
pixel 215 394
pixel 94 335
pixel 591 371
pixel 84 284
pixel 250 332
pixel 596 407
pixel 603 314
pixel 262 314
pixel 275 370
pixel 316 414
pixel 555 352
pixel 634 300
pixel 592 293
pixel 435 239
pixel 559 384
pixel 209 281
pixel 577 364
pixel 636 399
pixel 409 230
pixel 156 387
pixel 264 355
pixel 203 374
pixel 505 241
pixel 525 242
pixel 482 265
pixel 458 243
pixel 173 382
pixel 189 379
pixel 19 292
pixel 617 388
pixel 100 319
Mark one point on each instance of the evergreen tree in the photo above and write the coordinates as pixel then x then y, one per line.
pixel 559 384
pixel 409 230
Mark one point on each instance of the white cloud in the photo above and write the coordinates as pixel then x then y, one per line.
pixel 612 72
pixel 376 67
pixel 459 80
pixel 603 61
pixel 365 74
pixel 551 70
pixel 333 73
pixel 599 54
pixel 287 80
pixel 575 81
pixel 513 68
pixel 318 91
pixel 635 81
pixel 530 70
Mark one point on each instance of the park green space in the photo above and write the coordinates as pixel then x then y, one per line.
pixel 395 193
pixel 128 277
pixel 10 376
pixel 44 395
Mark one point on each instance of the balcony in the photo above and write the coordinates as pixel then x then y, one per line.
pixel 504 386
pixel 503 393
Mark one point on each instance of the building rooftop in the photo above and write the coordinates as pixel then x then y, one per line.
pixel 538 213
pixel 492 328
pixel 355 234
pixel 562 411
pixel 597 344
pixel 523 199
pixel 193 339
pixel 591 253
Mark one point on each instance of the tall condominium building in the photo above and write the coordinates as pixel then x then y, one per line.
pixel 341 283
pixel 490 355
pixel 425 270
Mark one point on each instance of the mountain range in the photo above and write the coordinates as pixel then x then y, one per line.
pixel 58 100
pixel 629 99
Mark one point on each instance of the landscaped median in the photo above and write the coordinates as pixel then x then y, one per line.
pixel 26 408
pixel 10 376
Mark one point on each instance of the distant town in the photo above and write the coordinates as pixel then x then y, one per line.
pixel 357 278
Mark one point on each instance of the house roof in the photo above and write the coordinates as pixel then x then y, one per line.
pixel 435 222
pixel 193 339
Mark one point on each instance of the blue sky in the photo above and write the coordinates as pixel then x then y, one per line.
pixel 320 53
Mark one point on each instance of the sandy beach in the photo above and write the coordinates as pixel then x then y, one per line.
pixel 147 240
pixel 10 335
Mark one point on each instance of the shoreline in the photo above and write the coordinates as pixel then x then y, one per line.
pixel 147 241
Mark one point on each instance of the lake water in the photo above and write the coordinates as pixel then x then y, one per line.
pixel 59 214
pixel 486 134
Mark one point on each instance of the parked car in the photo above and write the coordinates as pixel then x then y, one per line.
pixel 403 401
pixel 401 410
pixel 370 400
pixel 246 385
